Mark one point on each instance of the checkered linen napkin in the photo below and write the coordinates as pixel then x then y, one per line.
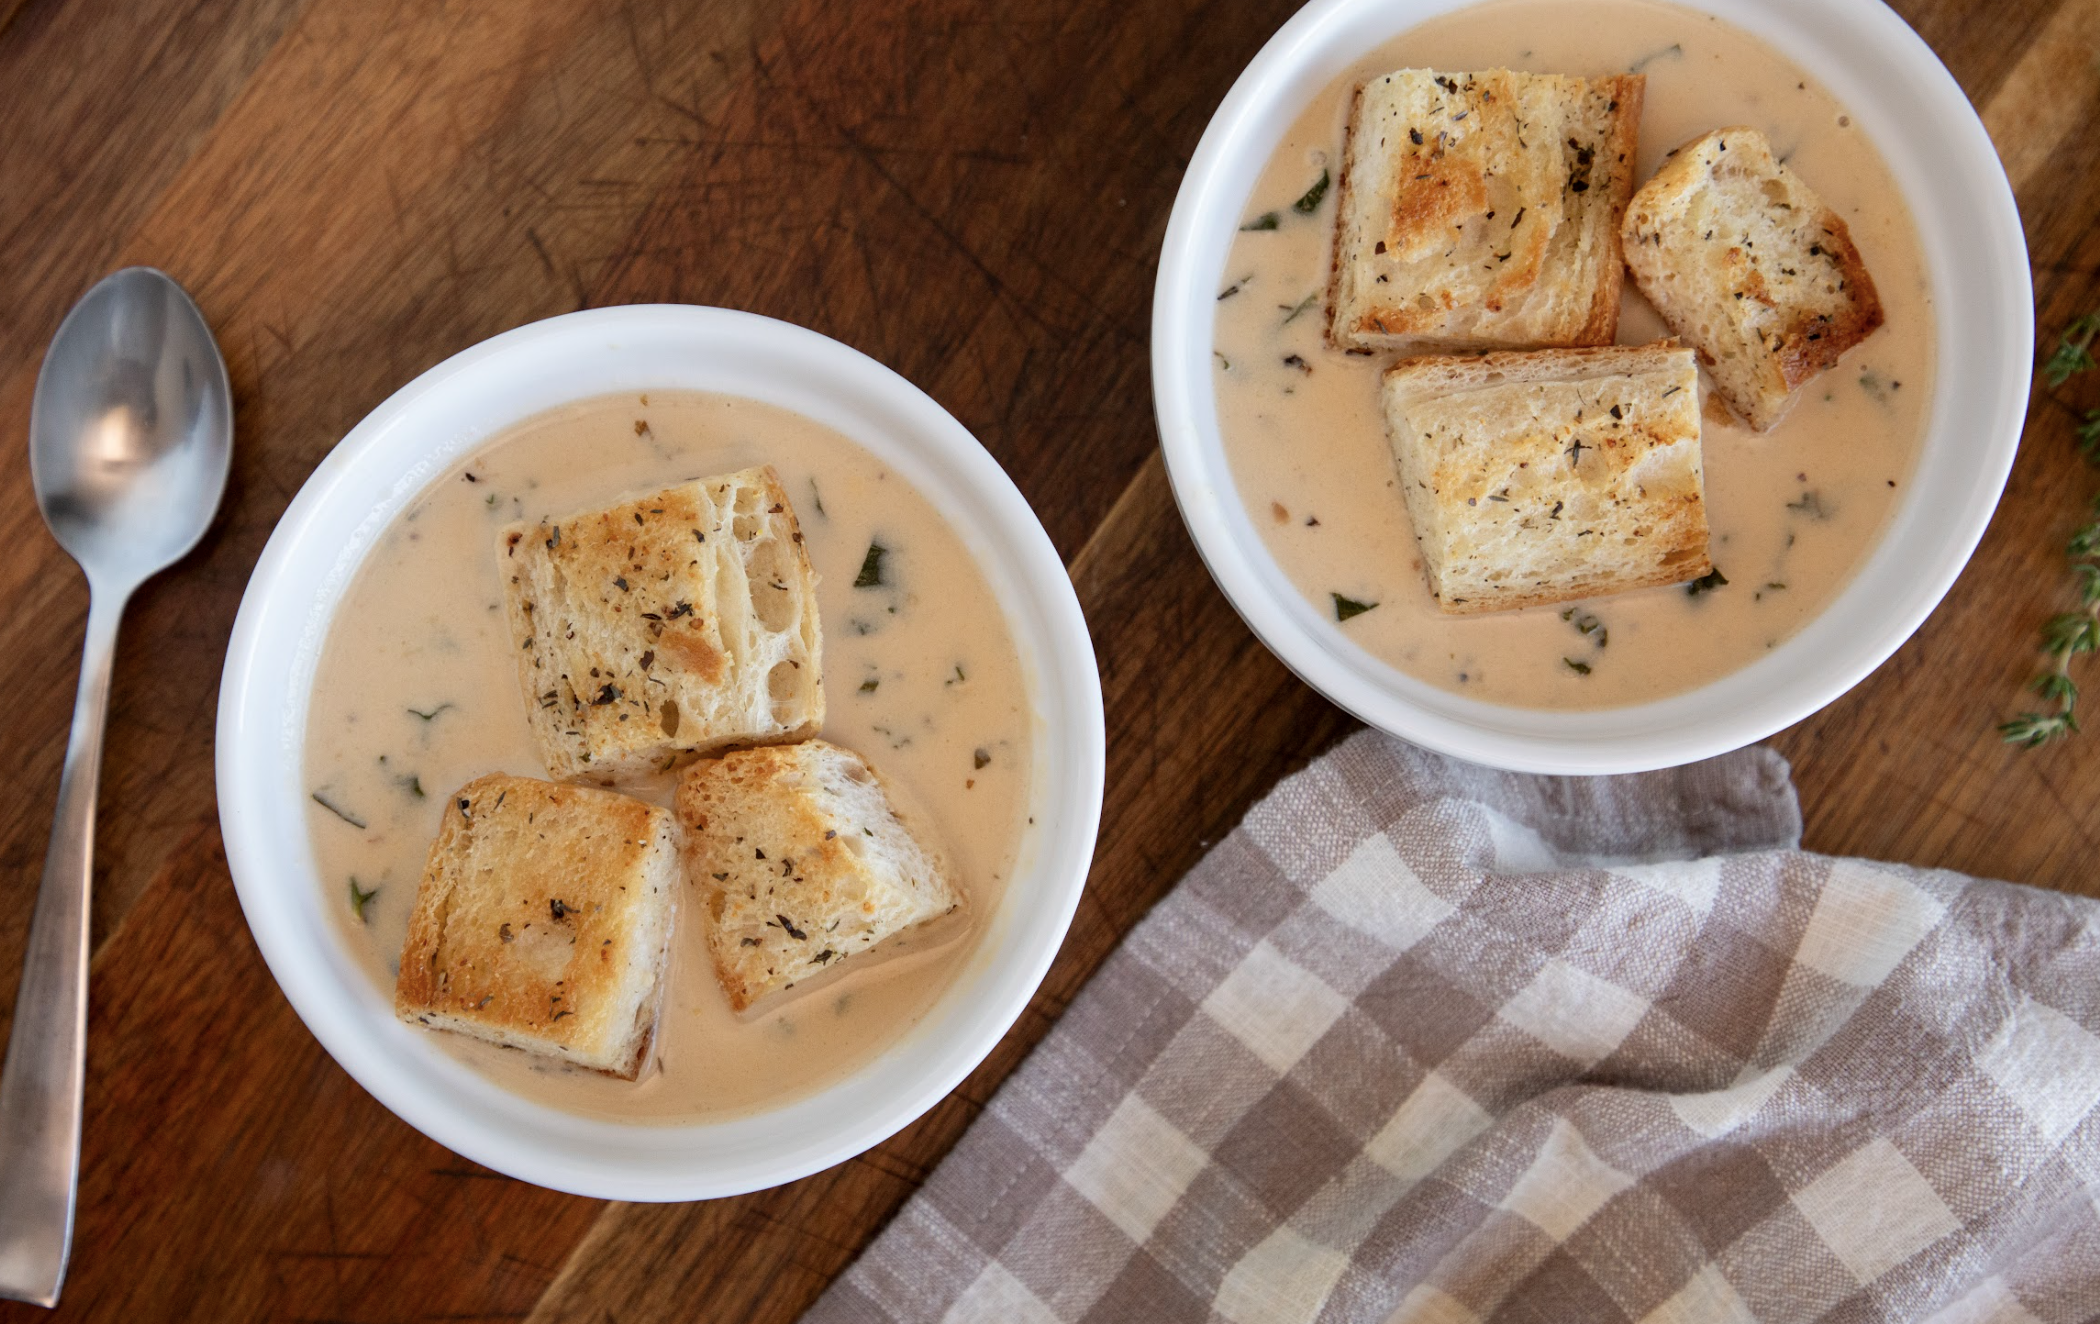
pixel 1426 1042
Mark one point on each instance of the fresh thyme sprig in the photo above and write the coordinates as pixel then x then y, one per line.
pixel 2068 634
pixel 2074 353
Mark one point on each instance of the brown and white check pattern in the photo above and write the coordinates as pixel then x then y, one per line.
pixel 1426 1042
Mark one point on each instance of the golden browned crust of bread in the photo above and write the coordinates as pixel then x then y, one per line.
pixel 1748 265
pixel 1341 209
pixel 542 922
pixel 653 628
pixel 1538 477
pixel 1481 210
pixel 803 861
pixel 1811 343
pixel 1621 144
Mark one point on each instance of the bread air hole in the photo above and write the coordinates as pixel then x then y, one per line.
pixel 770 598
pixel 782 682
pixel 747 522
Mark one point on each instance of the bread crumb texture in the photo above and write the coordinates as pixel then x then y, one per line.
pixel 542 922
pixel 1481 210
pixel 802 862
pixel 1750 267
pixel 665 625
pixel 1538 477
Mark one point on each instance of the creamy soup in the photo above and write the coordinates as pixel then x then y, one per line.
pixel 1793 511
pixel 418 693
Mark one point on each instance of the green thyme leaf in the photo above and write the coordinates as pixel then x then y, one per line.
pixel 1579 668
pixel 2056 687
pixel 1706 583
pixel 2030 730
pixel 2088 434
pixel 870 575
pixel 1265 221
pixel 1344 608
pixel 332 807
pixel 1310 203
pixel 1673 51
pixel 359 899
pixel 2073 353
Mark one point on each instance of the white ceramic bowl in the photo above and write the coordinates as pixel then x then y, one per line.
pixel 1898 92
pixel 323 538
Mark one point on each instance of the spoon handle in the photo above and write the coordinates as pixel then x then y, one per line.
pixel 41 1083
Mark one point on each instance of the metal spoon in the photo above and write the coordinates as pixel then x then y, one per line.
pixel 130 436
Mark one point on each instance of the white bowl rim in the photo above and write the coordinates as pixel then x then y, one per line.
pixel 290 601
pixel 1962 203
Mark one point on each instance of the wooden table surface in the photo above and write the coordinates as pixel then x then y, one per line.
pixel 974 194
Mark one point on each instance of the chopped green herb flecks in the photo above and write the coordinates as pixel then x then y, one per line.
pixel 1310 202
pixel 359 899
pixel 1344 608
pixel 431 716
pixel 1265 221
pixel 1587 624
pixel 1809 503
pixel 871 571
pixel 870 685
pixel 1876 385
pixel 1706 583
pixel 817 498
pixel 1579 668
pixel 413 784
pixel 980 757
pixel 1295 311
pixel 1673 51
pixel 332 807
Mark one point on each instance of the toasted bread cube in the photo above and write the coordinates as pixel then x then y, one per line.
pixel 1538 477
pixel 803 862
pixel 543 922
pixel 678 622
pixel 1751 268
pixel 1481 211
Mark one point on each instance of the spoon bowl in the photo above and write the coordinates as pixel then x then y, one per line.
pixel 130 438
pixel 130 434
